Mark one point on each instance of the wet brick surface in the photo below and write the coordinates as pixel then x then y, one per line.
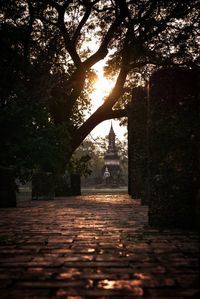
pixel 93 247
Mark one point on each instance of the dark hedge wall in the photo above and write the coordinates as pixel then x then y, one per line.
pixel 7 188
pixel 173 147
pixel 163 147
pixel 137 144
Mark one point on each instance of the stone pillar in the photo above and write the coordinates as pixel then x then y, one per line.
pixel 130 183
pixel 75 184
pixel 173 148
pixel 7 188
pixel 43 186
pixel 62 185
pixel 137 144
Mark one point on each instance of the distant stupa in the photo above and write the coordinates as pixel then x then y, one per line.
pixel 112 170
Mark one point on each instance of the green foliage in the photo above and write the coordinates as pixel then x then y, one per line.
pixel 29 138
pixel 80 165
pixel 83 159
pixel 122 148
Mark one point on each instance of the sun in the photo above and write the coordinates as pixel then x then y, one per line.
pixel 102 88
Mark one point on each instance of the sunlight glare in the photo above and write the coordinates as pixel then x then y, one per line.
pixel 102 88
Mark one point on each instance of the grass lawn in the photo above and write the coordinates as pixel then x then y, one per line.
pixel 98 191
pixel 25 192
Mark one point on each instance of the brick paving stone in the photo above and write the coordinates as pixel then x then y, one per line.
pixel 93 247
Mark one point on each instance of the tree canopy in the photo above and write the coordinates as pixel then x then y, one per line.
pixel 48 49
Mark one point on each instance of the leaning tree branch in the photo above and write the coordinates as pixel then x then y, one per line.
pixel 118 113
pixel 77 79
pixel 103 49
pixel 118 89
pixel 70 47
pixel 105 111
pixel 81 24
pixel 101 114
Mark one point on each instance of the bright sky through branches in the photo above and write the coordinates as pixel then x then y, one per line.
pixel 102 88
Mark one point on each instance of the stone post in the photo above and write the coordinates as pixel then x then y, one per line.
pixel 75 184
pixel 7 188
pixel 62 185
pixel 43 186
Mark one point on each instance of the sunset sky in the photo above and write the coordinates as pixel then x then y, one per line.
pixel 102 88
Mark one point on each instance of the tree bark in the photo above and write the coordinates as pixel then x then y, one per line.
pixel 95 119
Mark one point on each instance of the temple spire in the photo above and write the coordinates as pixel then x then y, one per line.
pixel 111 128
pixel 111 138
pixel 111 160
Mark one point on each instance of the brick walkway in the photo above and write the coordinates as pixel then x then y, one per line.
pixel 93 247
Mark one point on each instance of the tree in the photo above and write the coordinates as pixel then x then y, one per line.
pixel 94 150
pixel 46 57
pixel 122 146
